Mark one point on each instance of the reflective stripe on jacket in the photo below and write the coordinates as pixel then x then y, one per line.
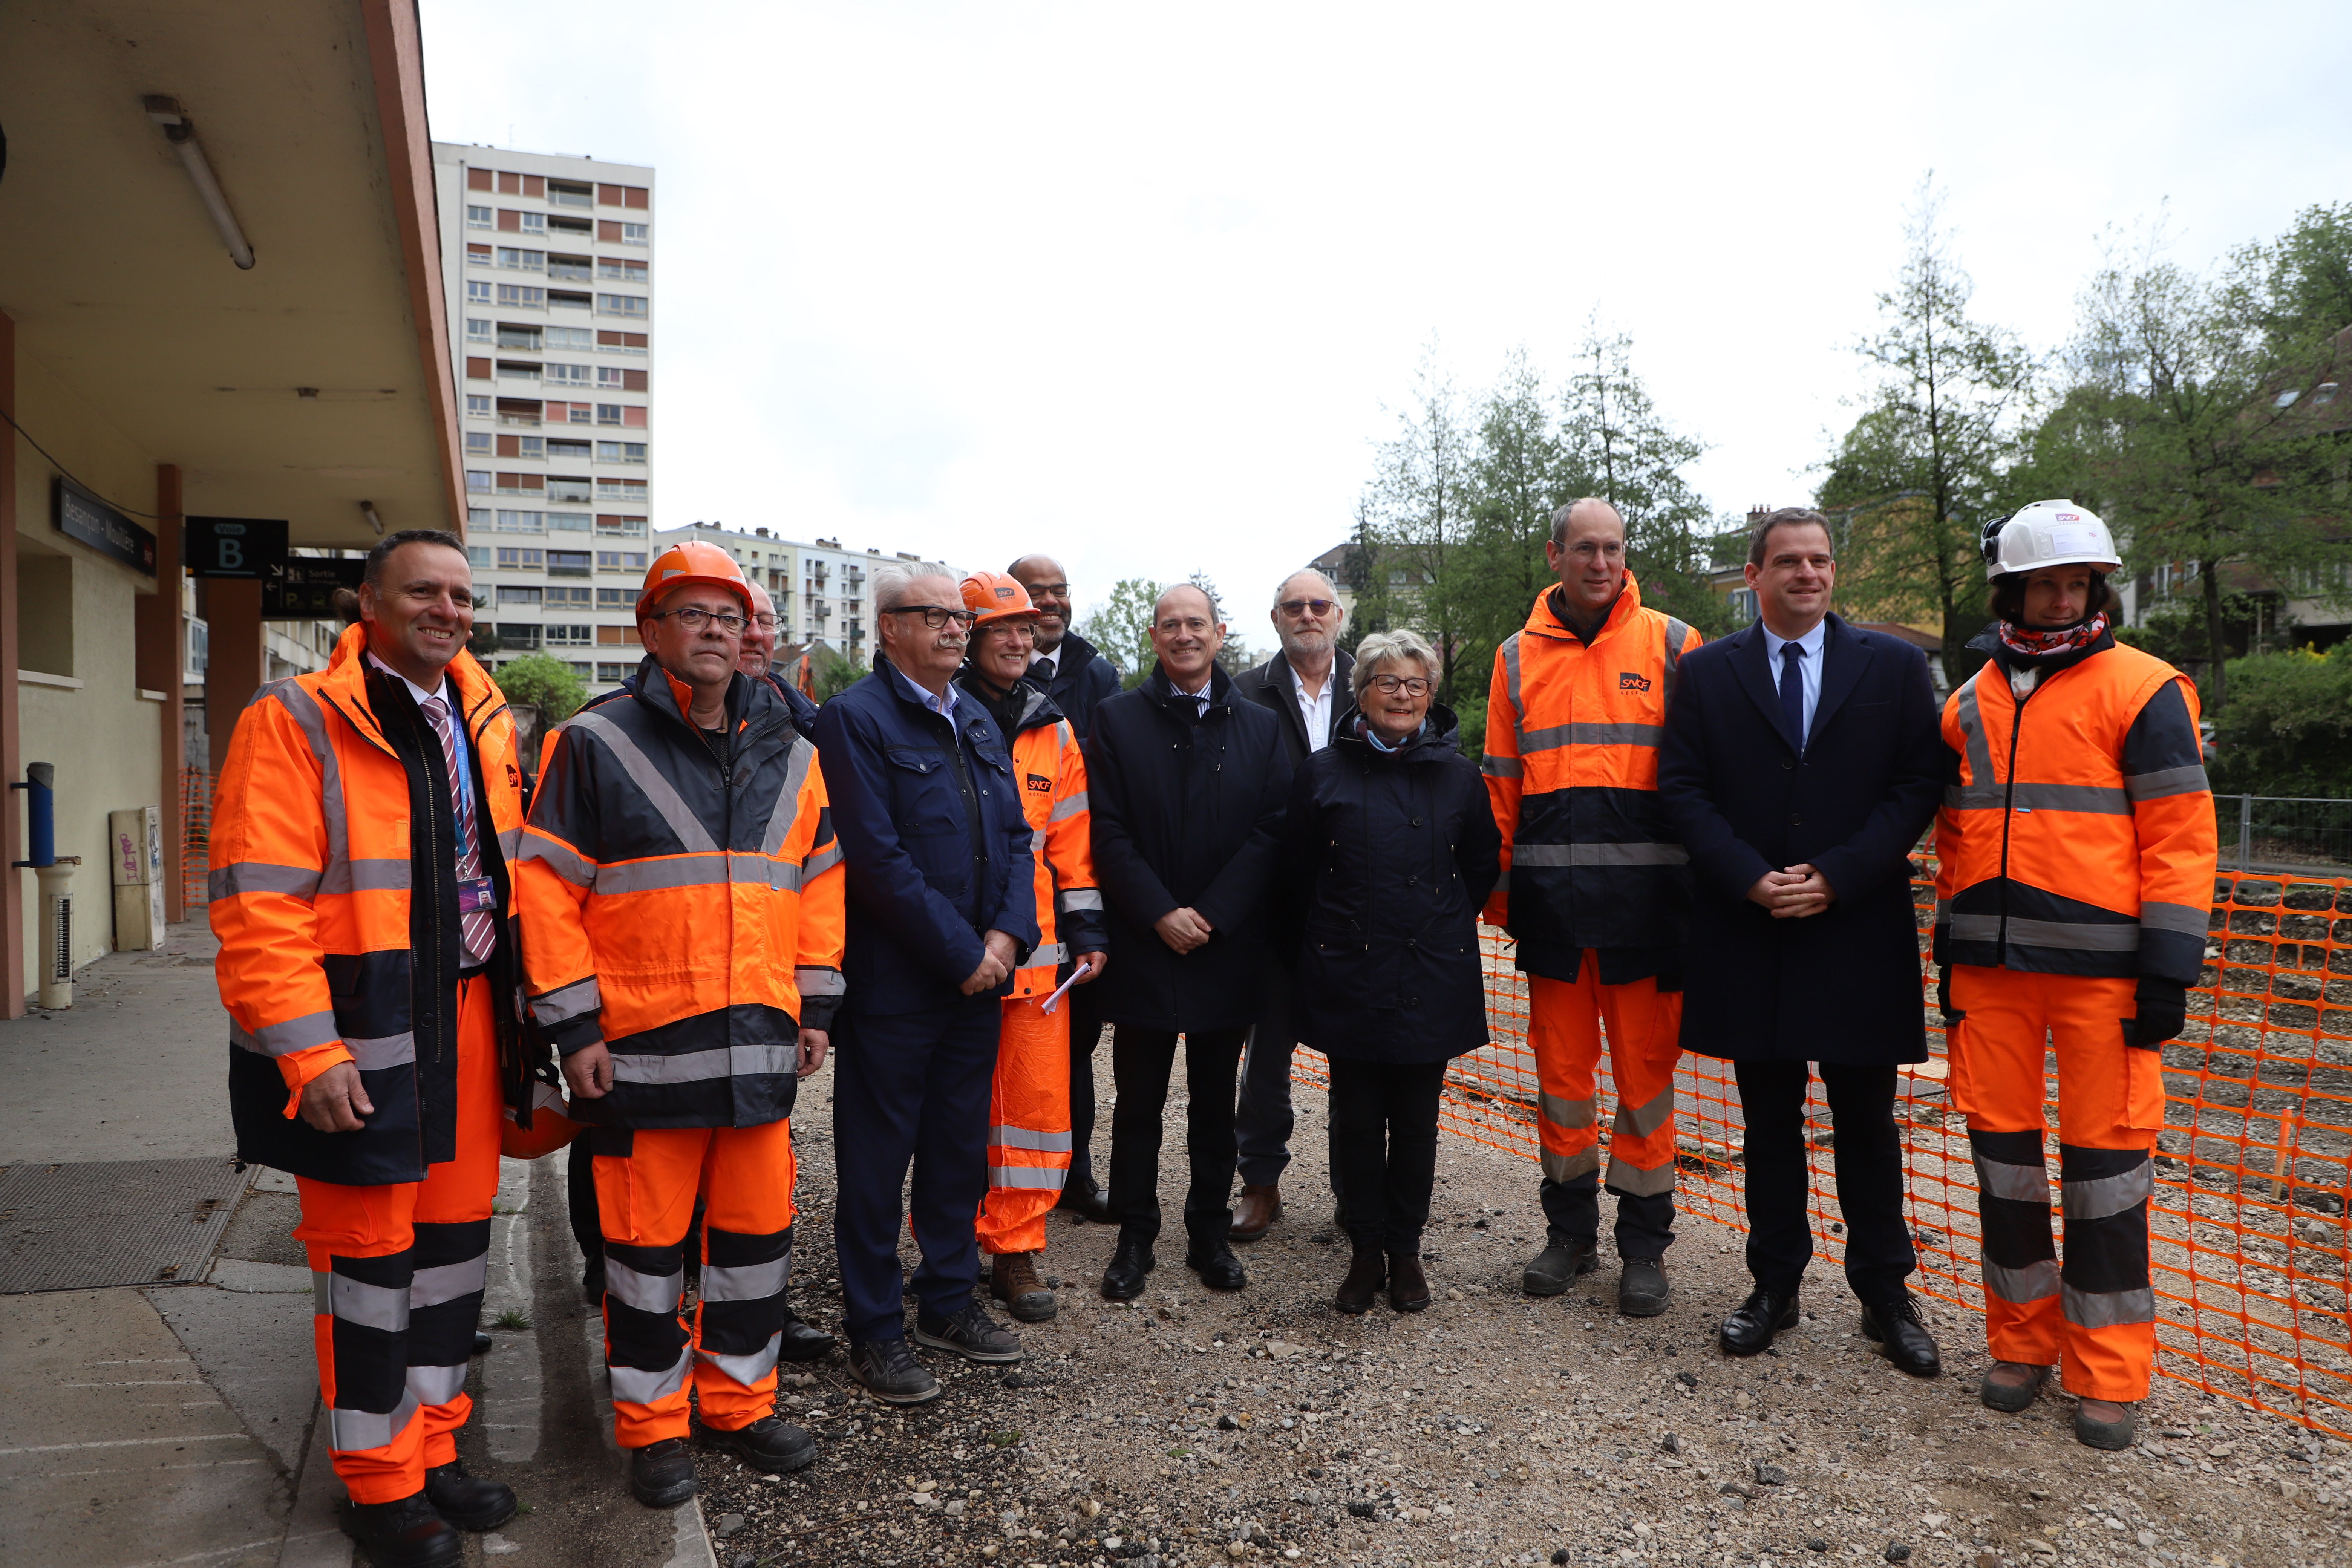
pixel 1572 766
pixel 686 912
pixel 2103 795
pixel 332 815
pixel 1051 776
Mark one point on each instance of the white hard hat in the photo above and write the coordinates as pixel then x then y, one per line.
pixel 2048 533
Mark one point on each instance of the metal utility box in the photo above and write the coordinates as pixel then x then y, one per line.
pixel 136 838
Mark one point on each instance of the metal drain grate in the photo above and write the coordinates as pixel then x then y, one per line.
pixel 122 1222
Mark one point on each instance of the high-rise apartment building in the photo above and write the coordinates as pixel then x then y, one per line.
pixel 548 263
pixel 818 586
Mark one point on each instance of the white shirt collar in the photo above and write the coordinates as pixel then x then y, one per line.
pixel 1052 661
pixel 1813 642
pixel 414 690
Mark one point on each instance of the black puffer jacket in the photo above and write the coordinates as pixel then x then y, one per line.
pixel 1387 856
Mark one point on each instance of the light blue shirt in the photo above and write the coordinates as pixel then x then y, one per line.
pixel 944 707
pixel 1813 642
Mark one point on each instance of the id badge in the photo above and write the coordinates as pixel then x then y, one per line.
pixel 476 894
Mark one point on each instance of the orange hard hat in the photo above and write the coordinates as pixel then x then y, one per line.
pixel 996 596
pixel 692 562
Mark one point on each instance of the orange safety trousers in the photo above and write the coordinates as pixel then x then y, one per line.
pixel 398 1272
pixel 647 1180
pixel 1028 1126
pixel 2094 1316
pixel 1566 1018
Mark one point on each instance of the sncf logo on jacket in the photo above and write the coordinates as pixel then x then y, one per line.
pixel 1627 680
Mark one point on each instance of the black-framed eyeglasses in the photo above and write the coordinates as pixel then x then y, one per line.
pixel 936 615
pixel 1297 607
pixel 694 619
pixel 1389 685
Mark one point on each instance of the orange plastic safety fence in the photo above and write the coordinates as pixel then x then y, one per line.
pixel 2250 1251
pixel 196 829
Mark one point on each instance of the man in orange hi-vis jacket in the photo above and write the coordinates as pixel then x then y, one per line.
pixel 681 901
pixel 362 841
pixel 1596 892
pixel 1029 1102
pixel 2074 879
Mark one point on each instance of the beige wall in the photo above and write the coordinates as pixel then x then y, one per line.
pixel 77 608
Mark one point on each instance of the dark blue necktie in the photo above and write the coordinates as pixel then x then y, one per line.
pixel 1792 690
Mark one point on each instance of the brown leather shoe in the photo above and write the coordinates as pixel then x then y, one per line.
pixel 1012 1279
pixel 1368 1274
pixel 1260 1207
pixel 1407 1285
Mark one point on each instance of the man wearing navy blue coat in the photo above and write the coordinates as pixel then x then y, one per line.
pixel 941 910
pixel 1802 762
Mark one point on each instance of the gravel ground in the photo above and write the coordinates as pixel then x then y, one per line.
pixel 1192 1428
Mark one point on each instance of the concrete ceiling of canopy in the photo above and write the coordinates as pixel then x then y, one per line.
pixel 122 285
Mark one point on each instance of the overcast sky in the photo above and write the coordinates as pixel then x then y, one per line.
pixel 1141 286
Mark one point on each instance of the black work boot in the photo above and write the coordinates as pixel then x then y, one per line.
pixel 406 1534
pixel 1130 1260
pixel 661 1474
pixel 1642 1288
pixel 1564 1257
pixel 802 1341
pixel 887 1369
pixel 771 1444
pixel 971 1333
pixel 1214 1261
pixel 467 1502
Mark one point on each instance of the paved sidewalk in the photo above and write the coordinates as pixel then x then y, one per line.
pixel 174 1423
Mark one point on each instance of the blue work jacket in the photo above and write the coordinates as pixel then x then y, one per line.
pixel 935 850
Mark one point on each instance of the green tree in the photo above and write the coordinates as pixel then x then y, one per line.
pixel 2288 730
pixel 1926 465
pixel 1520 473
pixel 1418 503
pixel 832 672
pixel 1120 629
pixel 2189 419
pixel 1633 459
pixel 547 683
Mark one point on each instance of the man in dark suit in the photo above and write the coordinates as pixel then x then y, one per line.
pixel 1306 687
pixel 1802 763
pixel 1077 676
pixel 1187 788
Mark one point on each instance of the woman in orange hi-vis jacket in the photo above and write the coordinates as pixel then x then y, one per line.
pixel 1029 1100
pixel 363 837
pixel 2075 876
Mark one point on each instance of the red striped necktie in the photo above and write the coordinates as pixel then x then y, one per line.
pixel 480 932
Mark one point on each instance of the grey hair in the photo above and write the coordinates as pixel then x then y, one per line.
pixel 889 584
pixel 1216 610
pixel 1388 647
pixel 1560 519
pixel 1330 588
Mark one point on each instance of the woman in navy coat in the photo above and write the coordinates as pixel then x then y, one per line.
pixel 1389 848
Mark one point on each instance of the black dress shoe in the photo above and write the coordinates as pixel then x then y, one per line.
pixel 467 1502
pixel 1754 1321
pixel 1130 1262
pixel 406 1533
pixel 1085 1201
pixel 1903 1338
pixel 771 1444
pixel 803 1341
pixel 661 1475
pixel 887 1369
pixel 481 1342
pixel 1216 1263
pixel 1408 1282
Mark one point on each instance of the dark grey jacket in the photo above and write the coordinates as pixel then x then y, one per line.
pixel 1273 685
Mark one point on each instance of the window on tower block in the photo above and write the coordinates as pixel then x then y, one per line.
pixel 626 270
pixel 478 479
pixel 567 488
pixel 571 193
pixel 608 414
pixel 620 304
pixel 478 443
pixel 513 334
pixel 580 268
pixel 620 451
pixel 477 406
pixel 477 330
pixel 636 233
pixel 478 292
pixel 477 217
pixel 524 294
pixel 520 522
pixel 581 338
pixel 524 260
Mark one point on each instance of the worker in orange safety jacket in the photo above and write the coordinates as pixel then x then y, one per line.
pixel 1597 894
pixel 363 840
pixel 2074 879
pixel 680 893
pixel 1029 1099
